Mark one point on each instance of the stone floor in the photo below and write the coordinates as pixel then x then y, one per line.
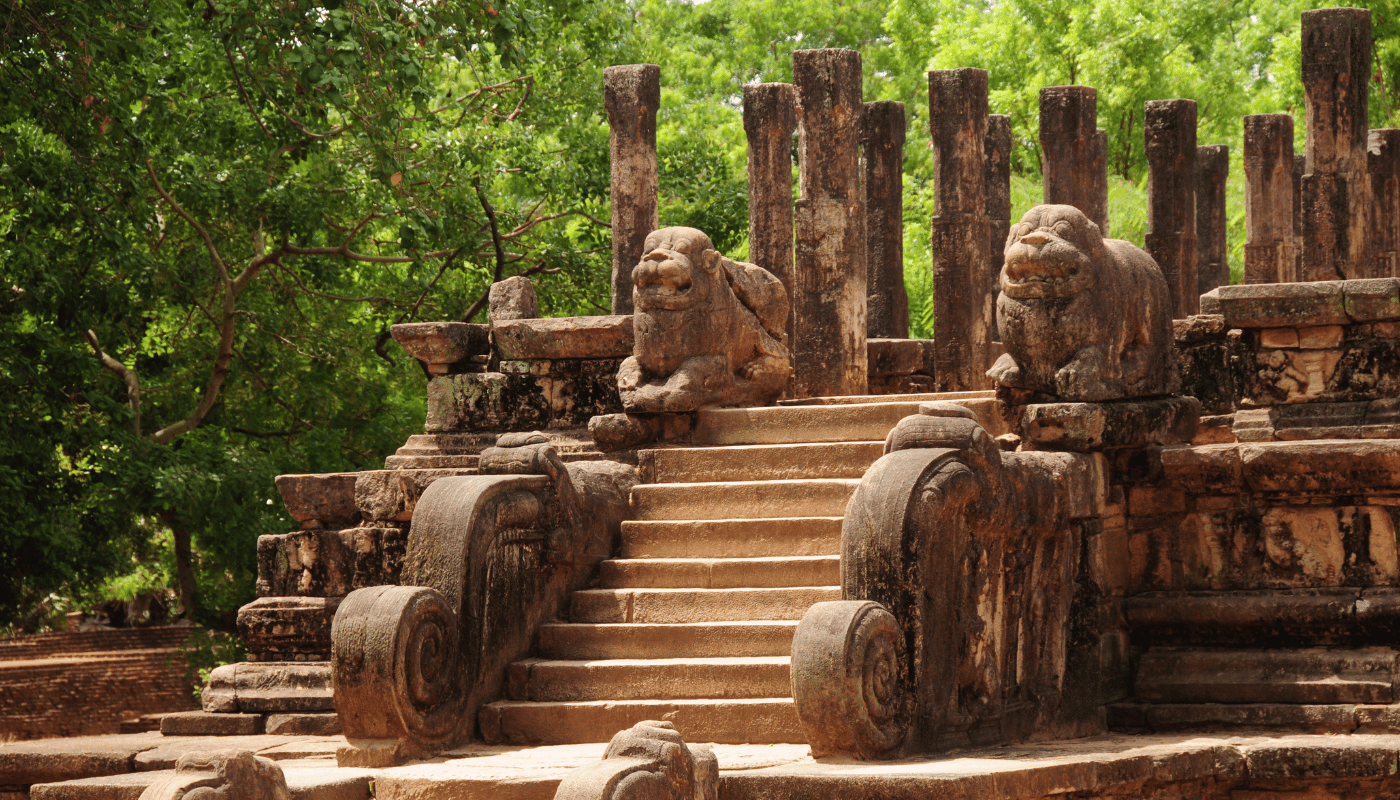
pixel 1256 766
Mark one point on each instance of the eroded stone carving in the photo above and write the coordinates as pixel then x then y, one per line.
pixel 222 775
pixel 1083 317
pixel 489 557
pixel 648 761
pixel 708 329
pixel 957 565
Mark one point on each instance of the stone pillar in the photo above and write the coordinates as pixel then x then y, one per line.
pixel 829 275
pixel 1073 158
pixel 1336 193
pixel 1270 252
pixel 1383 164
pixel 963 311
pixel 632 94
pixel 1170 131
pixel 770 117
pixel 1212 263
pixel 996 177
pixel 1099 165
pixel 887 306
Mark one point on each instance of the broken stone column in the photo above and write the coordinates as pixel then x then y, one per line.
pixel 1170 131
pixel 1383 164
pixel 1212 264
pixel 1336 196
pixel 829 274
pixel 963 312
pixel 887 306
pixel 1073 151
pixel 770 117
pixel 632 94
pixel 996 158
pixel 1270 252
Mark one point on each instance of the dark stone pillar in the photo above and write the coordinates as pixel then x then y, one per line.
pixel 1336 193
pixel 829 277
pixel 770 117
pixel 887 306
pixel 1383 164
pixel 1212 263
pixel 1073 153
pixel 1270 252
pixel 996 156
pixel 632 94
pixel 963 311
pixel 1099 165
pixel 1170 131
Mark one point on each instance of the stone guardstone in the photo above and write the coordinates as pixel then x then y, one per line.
pixel 1070 328
pixel 1086 427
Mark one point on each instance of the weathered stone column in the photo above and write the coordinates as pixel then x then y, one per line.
pixel 1100 167
pixel 770 117
pixel 1336 194
pixel 1383 163
pixel 1073 152
pixel 887 305
pixel 1212 263
pixel 829 275
pixel 962 297
pixel 1270 254
pixel 996 177
pixel 632 94
pixel 1170 132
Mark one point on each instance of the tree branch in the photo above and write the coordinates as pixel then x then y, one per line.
pixel 495 233
pixel 127 374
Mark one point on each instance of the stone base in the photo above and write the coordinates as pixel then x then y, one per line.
pixel 198 723
pixel 303 724
pixel 1085 427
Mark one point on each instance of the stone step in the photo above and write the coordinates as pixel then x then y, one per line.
pixel 1310 676
pixel 743 499
pixel 651 679
pixel 731 538
pixel 696 605
pixel 1275 718
pixel 754 721
pixel 568 641
pixel 760 462
pixel 864 422
pixel 720 573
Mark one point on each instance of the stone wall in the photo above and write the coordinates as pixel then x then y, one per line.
pixel 76 684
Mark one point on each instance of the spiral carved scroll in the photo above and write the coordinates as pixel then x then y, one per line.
pixel 397 666
pixel 849 680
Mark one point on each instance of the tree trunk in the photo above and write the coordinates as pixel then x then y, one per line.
pixel 184 566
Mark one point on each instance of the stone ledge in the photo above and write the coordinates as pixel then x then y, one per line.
pixel 1095 426
pixel 1279 305
pixel 564 338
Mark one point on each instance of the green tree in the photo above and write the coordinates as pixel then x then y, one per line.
pixel 210 215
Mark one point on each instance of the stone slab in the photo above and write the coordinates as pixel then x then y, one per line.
pixel 50 760
pixel 166 753
pixel 564 337
pixel 442 343
pixel 1283 305
pixel 895 356
pixel 314 780
pixel 303 724
pixel 1094 426
pixel 201 723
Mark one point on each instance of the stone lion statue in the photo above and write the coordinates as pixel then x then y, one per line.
pixel 1083 318
pixel 708 330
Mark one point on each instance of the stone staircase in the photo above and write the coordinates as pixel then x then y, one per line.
pixel 734 537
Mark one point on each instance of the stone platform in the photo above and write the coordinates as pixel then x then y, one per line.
pixel 1247 765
